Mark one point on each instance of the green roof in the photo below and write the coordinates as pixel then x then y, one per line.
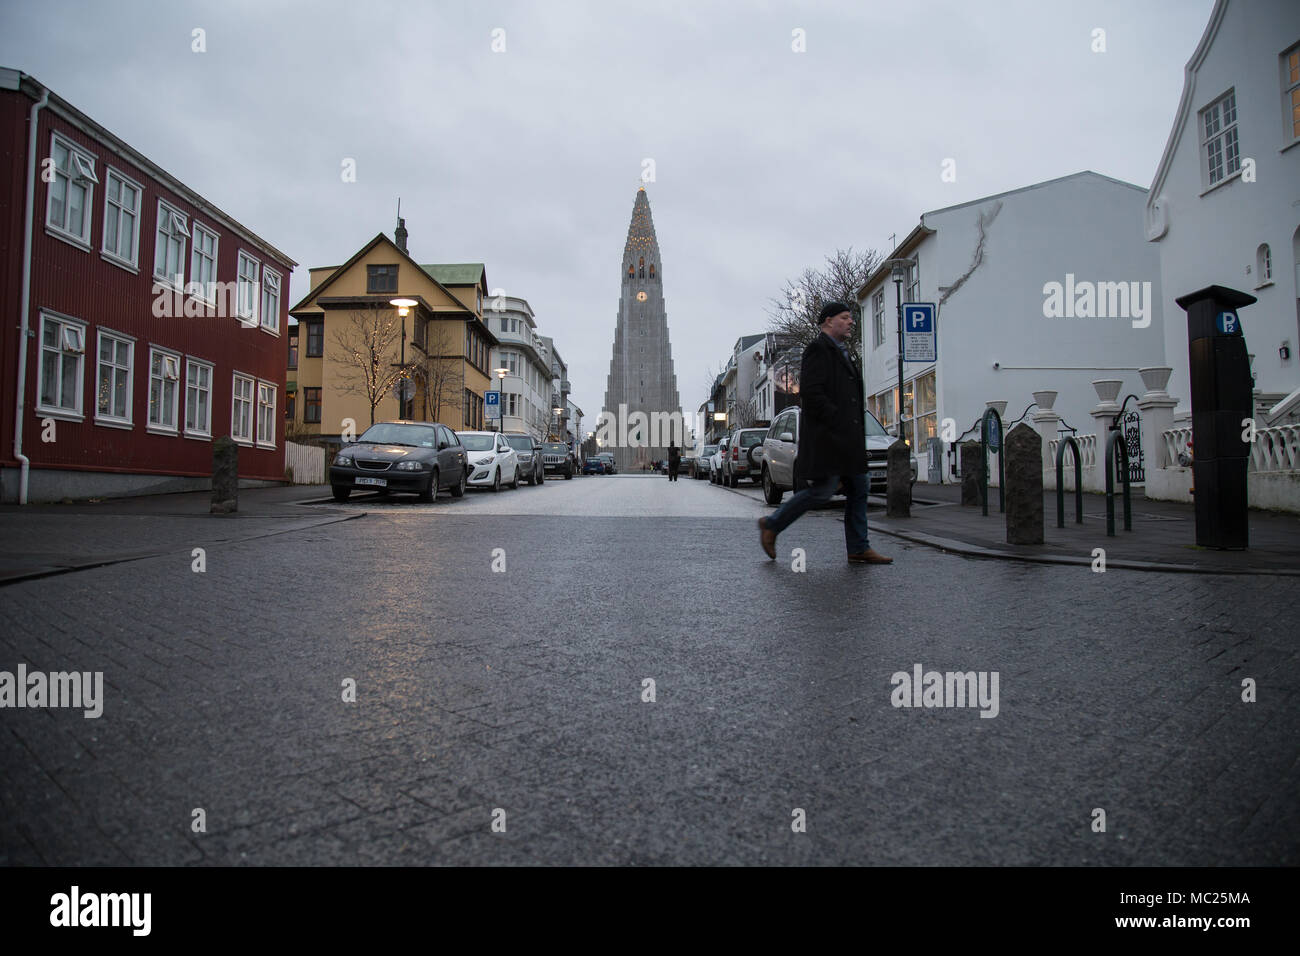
pixel 456 273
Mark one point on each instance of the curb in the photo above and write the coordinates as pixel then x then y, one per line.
pixel 91 565
pixel 978 551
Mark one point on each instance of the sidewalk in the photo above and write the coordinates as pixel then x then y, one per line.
pixel 1163 536
pixel 38 540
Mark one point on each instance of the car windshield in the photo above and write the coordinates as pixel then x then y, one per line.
pixel 750 439
pixel 708 450
pixel 387 433
pixel 477 442
pixel 606 456
pixel 555 449
pixel 520 442
pixel 874 428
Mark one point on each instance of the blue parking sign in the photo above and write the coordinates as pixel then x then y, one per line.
pixel 492 405
pixel 1228 323
pixel 919 341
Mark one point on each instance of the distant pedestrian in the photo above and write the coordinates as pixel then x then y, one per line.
pixel 832 438
pixel 674 462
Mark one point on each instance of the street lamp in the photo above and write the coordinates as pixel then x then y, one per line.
pixel 558 410
pixel 404 307
pixel 501 387
pixel 899 269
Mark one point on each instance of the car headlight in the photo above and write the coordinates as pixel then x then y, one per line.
pixel 343 460
pixel 485 461
pixel 410 466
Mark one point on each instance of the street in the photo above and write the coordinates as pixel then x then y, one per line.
pixel 636 683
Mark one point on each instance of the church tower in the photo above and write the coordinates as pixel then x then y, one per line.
pixel 641 375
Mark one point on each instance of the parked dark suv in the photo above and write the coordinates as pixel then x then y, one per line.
pixel 418 458
pixel 557 459
pixel 529 450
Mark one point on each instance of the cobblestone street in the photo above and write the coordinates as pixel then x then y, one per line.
pixel 522 691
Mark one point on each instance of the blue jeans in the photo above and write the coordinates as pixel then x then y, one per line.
pixel 818 493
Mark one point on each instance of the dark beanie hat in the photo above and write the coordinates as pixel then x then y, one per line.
pixel 830 309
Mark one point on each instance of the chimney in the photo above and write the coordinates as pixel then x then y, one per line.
pixel 399 235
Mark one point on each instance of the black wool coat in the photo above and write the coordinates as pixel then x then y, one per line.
pixel 832 436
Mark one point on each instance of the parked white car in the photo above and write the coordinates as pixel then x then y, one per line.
pixel 493 462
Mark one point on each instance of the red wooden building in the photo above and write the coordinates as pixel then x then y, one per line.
pixel 140 322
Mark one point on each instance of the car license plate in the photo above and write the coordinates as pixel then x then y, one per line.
pixel 377 482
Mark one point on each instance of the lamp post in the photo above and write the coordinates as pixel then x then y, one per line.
pixel 558 412
pixel 501 408
pixel 404 307
pixel 898 272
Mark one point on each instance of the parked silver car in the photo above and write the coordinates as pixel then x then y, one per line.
pixel 700 463
pixel 742 456
pixel 780 463
pixel 529 450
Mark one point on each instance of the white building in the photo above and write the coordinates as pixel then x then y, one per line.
pixel 1224 207
pixel 526 389
pixel 1050 286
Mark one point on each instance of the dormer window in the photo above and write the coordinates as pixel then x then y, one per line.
pixel 642 274
pixel 630 272
pixel 652 270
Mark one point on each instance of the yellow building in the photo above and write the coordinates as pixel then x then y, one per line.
pixel 355 359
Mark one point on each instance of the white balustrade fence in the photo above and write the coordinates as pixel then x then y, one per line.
pixel 1276 448
pixel 1087 453
pixel 1177 441
pixel 306 462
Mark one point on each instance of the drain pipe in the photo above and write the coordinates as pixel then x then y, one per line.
pixel 24 465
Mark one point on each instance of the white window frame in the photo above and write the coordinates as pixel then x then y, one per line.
pixel 236 436
pixel 247 317
pixel 81 166
pixel 111 254
pixel 1220 135
pixel 170 372
pixel 204 289
pixel 878 319
pixel 1263 265
pixel 192 363
pixel 265 388
pixel 70 330
pixel 103 418
pixel 270 301
pixel 169 222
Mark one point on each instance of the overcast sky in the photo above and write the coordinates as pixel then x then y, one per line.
pixel 765 159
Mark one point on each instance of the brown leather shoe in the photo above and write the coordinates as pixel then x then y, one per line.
pixel 870 557
pixel 767 538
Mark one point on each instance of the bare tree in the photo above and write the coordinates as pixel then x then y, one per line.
pixel 442 370
pixel 367 349
pixel 793 314
pixel 745 414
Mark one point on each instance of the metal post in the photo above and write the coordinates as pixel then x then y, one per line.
pixel 898 298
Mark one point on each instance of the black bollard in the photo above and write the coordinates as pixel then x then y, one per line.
pixel 225 476
pixel 1024 476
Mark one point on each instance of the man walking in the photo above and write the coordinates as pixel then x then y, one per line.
pixel 674 462
pixel 832 438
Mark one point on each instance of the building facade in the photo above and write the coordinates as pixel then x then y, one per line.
pixel 526 388
pixel 641 391
pixel 1050 286
pixel 352 343
pixel 142 322
pixel 1224 206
